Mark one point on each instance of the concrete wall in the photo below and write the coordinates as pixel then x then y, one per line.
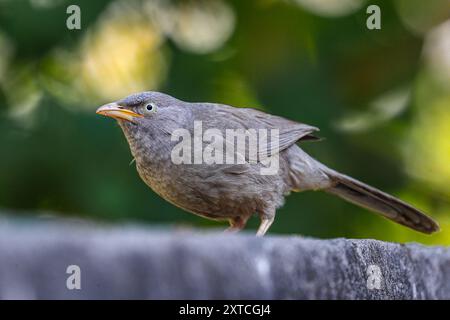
pixel 133 262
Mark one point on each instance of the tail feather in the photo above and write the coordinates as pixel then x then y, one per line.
pixel 375 200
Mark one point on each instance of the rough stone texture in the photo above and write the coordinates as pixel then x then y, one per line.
pixel 134 262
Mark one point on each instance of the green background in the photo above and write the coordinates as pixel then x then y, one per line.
pixel 380 97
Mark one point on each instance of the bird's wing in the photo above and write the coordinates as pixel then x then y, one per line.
pixel 289 131
pixel 227 117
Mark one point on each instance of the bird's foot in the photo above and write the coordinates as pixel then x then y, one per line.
pixel 266 222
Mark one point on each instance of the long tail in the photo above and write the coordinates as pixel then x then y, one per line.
pixel 380 202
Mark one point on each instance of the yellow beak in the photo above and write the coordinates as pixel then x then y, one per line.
pixel 113 110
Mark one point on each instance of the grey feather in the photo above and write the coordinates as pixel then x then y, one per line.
pixel 236 191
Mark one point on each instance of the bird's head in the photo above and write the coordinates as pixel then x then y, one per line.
pixel 148 119
pixel 138 109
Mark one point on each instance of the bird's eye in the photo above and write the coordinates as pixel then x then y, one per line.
pixel 150 107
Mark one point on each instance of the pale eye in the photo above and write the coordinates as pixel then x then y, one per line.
pixel 150 107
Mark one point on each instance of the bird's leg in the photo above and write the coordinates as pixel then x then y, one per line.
pixel 264 226
pixel 236 224
pixel 266 222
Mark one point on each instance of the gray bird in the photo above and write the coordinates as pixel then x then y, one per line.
pixel 236 191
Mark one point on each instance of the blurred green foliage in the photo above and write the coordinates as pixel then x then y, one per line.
pixel 380 97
